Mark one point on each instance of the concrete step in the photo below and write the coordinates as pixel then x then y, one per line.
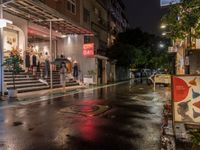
pixel 28 89
pixel 22 82
pixel 17 76
pixel 26 85
pixel 18 79
pixel 10 73
pixel 72 83
pixel 67 84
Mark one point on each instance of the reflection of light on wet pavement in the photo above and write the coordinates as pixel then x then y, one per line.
pixel 85 110
pixel 61 136
pixel 88 130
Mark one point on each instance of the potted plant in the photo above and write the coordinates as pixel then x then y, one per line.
pixel 13 64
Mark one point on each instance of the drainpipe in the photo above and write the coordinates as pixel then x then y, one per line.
pixel 1 55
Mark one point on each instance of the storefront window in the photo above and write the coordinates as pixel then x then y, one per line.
pixel 10 40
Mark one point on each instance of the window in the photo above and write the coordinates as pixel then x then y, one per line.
pixel 43 1
pixel 97 12
pixel 71 6
pixel 88 39
pixel 86 15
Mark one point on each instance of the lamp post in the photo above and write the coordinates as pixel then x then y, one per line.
pixel 1 55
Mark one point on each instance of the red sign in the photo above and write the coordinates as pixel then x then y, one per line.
pixel 88 49
pixel 180 89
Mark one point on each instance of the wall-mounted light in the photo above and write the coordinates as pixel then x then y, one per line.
pixel 64 36
pixel 4 22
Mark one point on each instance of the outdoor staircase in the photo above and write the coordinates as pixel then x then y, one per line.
pixel 26 82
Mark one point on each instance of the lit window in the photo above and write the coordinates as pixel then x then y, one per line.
pixel 71 6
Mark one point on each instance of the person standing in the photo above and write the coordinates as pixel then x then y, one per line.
pixel 75 71
pixel 27 61
pixel 34 64
pixel 63 72
pixel 47 65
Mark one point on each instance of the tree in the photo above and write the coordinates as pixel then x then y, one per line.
pixel 138 49
pixel 182 20
pixel 123 53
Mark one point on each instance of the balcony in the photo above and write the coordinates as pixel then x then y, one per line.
pixel 102 48
pixel 100 22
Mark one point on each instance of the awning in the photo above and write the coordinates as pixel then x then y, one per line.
pixel 37 12
pixel 101 57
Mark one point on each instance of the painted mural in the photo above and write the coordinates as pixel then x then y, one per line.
pixel 186 98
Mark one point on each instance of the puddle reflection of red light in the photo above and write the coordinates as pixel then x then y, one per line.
pixel 88 130
pixel 88 102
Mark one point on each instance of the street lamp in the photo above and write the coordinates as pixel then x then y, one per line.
pixel 164 33
pixel 163 26
pixel 161 45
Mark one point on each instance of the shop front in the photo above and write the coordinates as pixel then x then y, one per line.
pixel 40 34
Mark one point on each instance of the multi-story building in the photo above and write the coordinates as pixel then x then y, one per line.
pixel 94 18
pixel 117 19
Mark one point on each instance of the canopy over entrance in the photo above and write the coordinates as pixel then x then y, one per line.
pixel 37 12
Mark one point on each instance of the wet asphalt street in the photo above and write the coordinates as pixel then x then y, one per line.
pixel 120 117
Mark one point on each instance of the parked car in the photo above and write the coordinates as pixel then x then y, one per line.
pixel 160 78
pixel 146 72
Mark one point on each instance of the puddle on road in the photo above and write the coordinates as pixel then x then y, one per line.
pixel 86 110
pixel 143 98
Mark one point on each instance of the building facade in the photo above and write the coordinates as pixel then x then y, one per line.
pixel 94 18
pixel 41 31
pixel 77 30
pixel 117 19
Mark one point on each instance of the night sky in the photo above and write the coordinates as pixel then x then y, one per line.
pixel 145 14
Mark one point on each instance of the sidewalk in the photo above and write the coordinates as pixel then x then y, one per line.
pixel 179 139
pixel 37 96
pixel 43 95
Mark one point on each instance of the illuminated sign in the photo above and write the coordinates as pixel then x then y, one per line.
pixel 168 2
pixel 88 49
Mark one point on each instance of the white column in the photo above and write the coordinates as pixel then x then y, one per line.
pixel 1 56
pixel 51 59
